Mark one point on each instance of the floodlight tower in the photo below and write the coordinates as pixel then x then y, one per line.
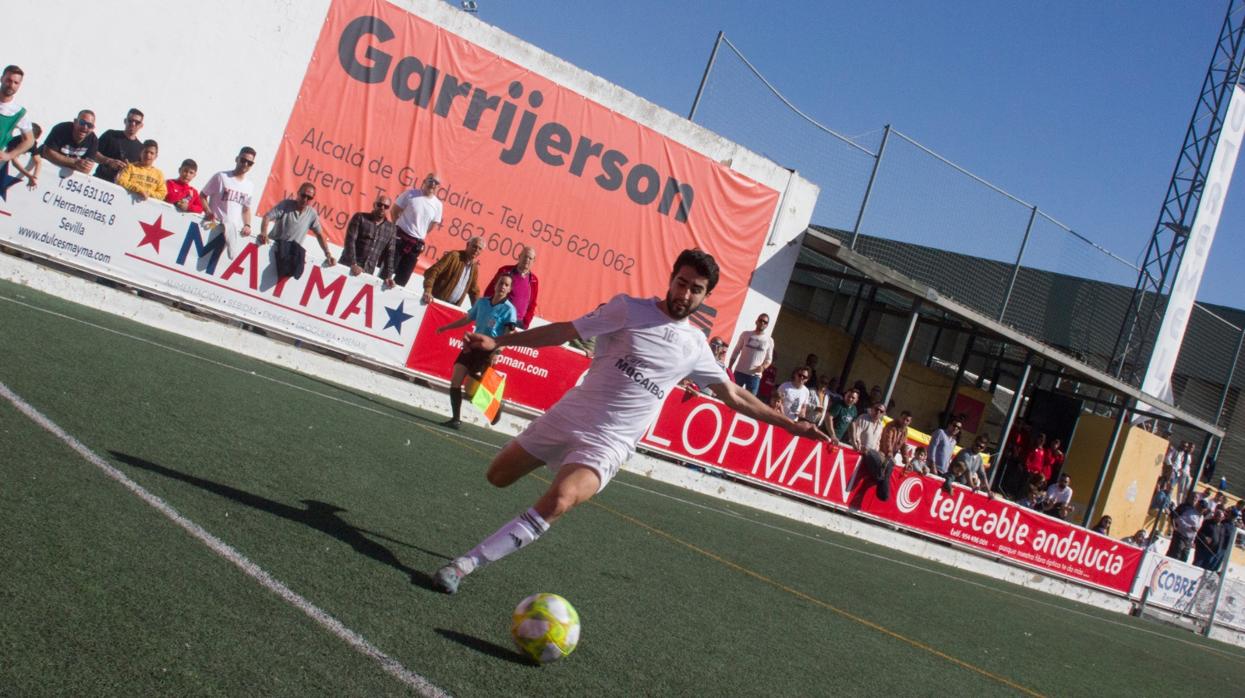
pixel 1171 232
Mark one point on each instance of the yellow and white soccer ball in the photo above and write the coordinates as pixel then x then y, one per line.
pixel 545 627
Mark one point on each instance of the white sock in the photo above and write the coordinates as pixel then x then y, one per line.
pixel 517 533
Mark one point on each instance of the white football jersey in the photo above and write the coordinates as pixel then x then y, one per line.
pixel 641 355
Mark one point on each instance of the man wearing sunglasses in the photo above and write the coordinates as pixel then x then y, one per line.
pixel 119 148
pixel 290 221
pixel 73 144
pixel 415 212
pixel 369 241
pixel 228 195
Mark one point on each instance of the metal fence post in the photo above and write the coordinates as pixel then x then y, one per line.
pixel 864 201
pixel 1018 397
pixel 1223 401
pixel 713 56
pixel 1020 254
pixel 891 380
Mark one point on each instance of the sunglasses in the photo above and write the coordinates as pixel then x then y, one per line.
pixel 380 205
pixel 802 375
pixel 431 181
pixel 245 163
pixel 306 197
pixel 88 125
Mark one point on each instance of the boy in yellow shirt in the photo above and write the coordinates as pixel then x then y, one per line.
pixel 143 178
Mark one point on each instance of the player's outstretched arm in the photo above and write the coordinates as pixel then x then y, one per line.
pixel 544 336
pixel 749 405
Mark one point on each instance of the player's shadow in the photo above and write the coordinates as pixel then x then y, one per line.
pixel 485 647
pixel 321 516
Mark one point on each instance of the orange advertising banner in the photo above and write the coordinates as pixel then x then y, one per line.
pixel 606 202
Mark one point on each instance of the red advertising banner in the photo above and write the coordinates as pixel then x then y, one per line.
pixel 523 160
pixel 534 377
pixel 706 431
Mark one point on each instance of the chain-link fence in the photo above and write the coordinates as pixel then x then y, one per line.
pixel 898 202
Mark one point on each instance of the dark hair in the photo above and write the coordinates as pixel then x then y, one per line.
pixel 85 111
pixel 701 261
pixel 247 150
pixel 14 70
pixel 149 143
pixel 135 112
pixel 190 163
pixel 36 129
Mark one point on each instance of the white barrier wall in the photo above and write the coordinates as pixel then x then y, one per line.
pixel 211 77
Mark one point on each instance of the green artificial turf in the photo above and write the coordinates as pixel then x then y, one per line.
pixel 353 501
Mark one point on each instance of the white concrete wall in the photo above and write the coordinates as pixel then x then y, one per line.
pixel 213 76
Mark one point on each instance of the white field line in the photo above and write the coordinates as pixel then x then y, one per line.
pixel 1030 598
pixel 266 580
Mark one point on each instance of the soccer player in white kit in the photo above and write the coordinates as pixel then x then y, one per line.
pixel 645 346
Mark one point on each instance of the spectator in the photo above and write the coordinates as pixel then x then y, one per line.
pixel 1138 539
pixel 1058 500
pixel 493 317
pixel 842 414
pixel 1177 463
pixel 1209 540
pixel 72 144
pixel 942 444
pixel 917 459
pixel 524 286
pixel 33 164
pixel 754 352
pixel 811 362
pixel 875 395
pixel 228 200
pixel 414 213
pixel 290 220
pixel 1034 493
pixel 1103 526
pixel 1186 521
pixel 866 437
pixel 894 436
pixel 143 179
pixel 178 192
pixel 370 237
pixel 968 468
pixel 13 117
pixel 1035 459
pixel 120 148
pixel 1054 458
pixel 719 347
pixel 794 395
pixel 835 393
pixel 454 275
pixel 819 405
pixel 1161 506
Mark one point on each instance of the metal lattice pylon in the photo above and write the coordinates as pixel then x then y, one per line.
pixel 1171 232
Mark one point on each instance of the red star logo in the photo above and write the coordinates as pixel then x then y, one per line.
pixel 153 233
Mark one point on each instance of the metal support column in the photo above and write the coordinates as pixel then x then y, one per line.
pixel 1012 410
pixel 856 338
pixel 913 319
pixel 933 346
pixel 1106 460
pixel 959 376
pixel 713 57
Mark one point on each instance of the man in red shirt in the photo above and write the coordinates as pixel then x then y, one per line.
pixel 524 286
pixel 183 196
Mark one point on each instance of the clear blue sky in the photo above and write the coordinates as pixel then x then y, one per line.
pixel 1078 107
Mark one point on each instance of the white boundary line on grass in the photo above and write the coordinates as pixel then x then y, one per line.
pixel 266 580
pixel 725 512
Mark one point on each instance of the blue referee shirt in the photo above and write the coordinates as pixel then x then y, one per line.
pixel 491 319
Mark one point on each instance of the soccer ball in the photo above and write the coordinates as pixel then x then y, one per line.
pixel 545 627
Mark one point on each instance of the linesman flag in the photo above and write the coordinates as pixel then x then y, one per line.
pixel 487 393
